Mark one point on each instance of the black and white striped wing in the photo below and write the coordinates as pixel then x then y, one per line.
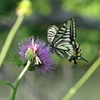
pixel 64 49
pixel 72 52
pixel 67 32
pixel 73 29
pixel 60 39
pixel 62 42
pixel 52 31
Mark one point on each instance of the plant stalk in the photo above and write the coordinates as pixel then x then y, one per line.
pixel 86 76
pixel 17 81
pixel 10 38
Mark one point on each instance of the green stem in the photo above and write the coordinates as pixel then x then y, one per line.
pixel 74 89
pixel 16 83
pixel 10 38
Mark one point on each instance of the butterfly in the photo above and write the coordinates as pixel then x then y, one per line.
pixel 62 41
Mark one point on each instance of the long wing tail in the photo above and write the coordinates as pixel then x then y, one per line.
pixel 84 59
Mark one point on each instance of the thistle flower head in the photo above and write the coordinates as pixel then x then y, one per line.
pixel 38 53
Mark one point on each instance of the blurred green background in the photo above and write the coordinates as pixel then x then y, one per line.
pixel 36 86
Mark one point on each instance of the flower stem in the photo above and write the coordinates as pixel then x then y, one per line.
pixel 74 89
pixel 10 38
pixel 16 83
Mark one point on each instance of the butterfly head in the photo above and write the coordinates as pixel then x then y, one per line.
pixel 52 31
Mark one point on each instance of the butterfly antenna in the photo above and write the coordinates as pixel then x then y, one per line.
pixel 84 59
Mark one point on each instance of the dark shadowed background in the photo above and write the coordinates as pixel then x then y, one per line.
pixel 36 86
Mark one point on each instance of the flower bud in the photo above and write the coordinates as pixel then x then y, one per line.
pixel 24 8
pixel 30 55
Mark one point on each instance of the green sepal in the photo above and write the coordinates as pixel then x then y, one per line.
pixel 32 66
pixel 29 55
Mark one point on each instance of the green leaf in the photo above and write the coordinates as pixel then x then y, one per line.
pixel 7 83
pixel 16 60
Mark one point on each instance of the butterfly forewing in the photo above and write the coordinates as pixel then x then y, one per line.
pixel 73 30
pixel 52 31
pixel 63 33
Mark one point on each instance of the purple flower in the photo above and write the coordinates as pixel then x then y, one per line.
pixel 38 53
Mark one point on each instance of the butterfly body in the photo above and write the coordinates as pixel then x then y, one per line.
pixel 62 41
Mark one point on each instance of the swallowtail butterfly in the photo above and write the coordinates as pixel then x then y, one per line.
pixel 62 41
